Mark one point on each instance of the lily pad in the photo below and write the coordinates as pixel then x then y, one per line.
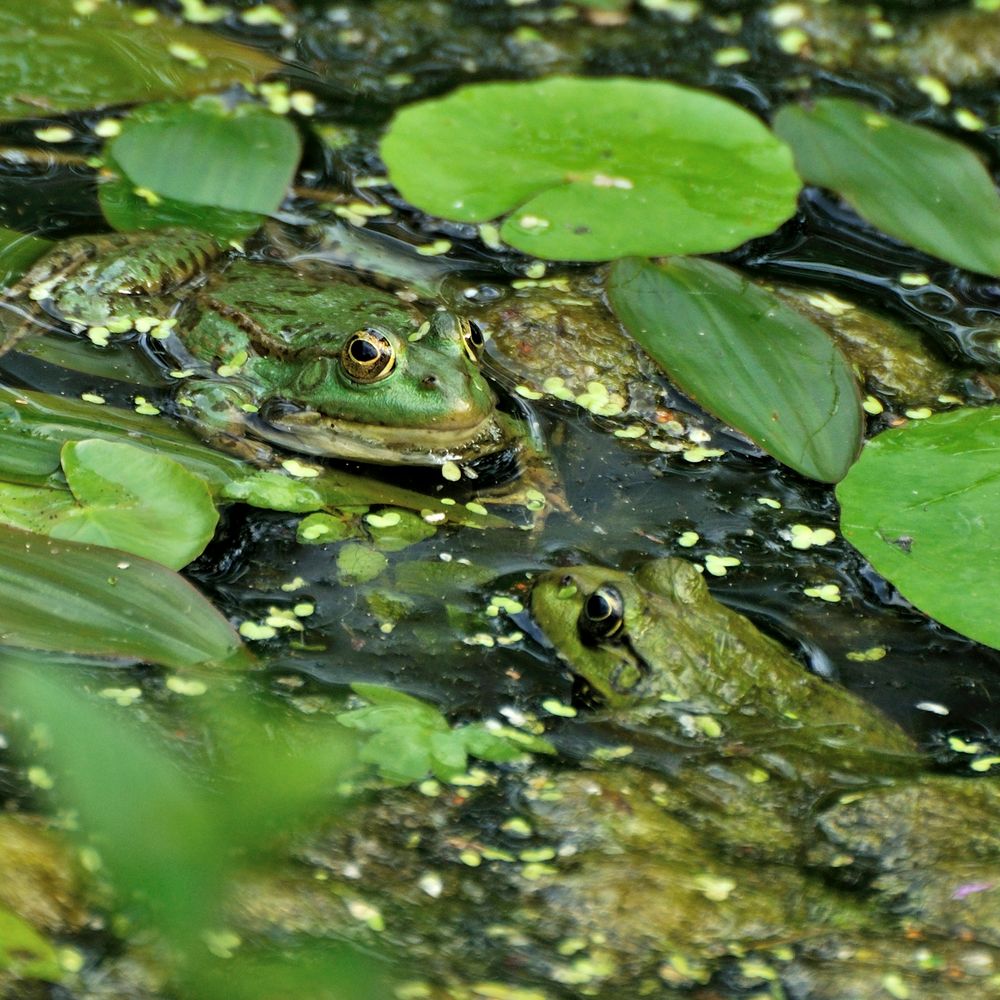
pixel 122 497
pixel 64 597
pixel 910 181
pixel 595 169
pixel 177 160
pixel 56 58
pixel 922 504
pixel 133 499
pixel 747 357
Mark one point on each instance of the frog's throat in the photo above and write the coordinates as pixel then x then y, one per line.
pixel 315 434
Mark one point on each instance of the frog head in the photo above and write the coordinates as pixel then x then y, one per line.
pixel 378 394
pixel 632 637
pixel 657 636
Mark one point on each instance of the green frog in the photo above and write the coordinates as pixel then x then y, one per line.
pixel 311 361
pixel 774 762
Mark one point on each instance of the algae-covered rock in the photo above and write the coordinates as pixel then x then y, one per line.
pixel 39 881
pixel 889 358
pixel 929 850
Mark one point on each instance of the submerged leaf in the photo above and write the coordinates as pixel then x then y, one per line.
pixel 410 738
pixel 595 169
pixel 910 181
pixel 922 504
pixel 747 357
pixel 66 597
pixel 56 58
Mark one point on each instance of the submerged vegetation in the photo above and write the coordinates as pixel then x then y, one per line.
pixel 347 250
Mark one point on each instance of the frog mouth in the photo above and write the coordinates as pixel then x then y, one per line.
pixel 315 434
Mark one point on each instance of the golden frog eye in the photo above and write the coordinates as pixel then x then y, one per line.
pixel 472 339
pixel 602 615
pixel 368 356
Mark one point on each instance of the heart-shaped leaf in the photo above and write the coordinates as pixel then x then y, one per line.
pixel 595 169
pixel 922 504
pixel 747 357
pixel 133 499
pixel 910 181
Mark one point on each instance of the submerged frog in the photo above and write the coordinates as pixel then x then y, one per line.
pixel 791 768
pixel 314 362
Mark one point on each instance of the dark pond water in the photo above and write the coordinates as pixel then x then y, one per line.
pixel 628 503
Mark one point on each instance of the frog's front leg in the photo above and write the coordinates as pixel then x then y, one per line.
pixel 117 281
pixel 218 413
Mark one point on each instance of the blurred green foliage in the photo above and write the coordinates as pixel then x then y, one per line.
pixel 171 840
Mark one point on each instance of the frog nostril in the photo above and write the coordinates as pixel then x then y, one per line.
pixel 430 382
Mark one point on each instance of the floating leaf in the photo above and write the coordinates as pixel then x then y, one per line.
pixel 136 500
pixel 595 169
pixel 410 737
pixel 66 597
pixel 128 211
pixel 911 182
pixel 392 531
pixel 184 158
pixel 358 563
pixel 34 426
pixel 122 497
pixel 747 357
pixel 922 504
pixel 54 58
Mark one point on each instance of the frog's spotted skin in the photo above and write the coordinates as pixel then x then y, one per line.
pixel 772 764
pixel 315 363
pixel 658 637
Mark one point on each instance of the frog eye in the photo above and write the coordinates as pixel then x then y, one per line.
pixel 602 615
pixel 472 339
pixel 368 356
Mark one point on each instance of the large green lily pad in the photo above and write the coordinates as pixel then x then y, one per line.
pixel 911 182
pixel 922 504
pixel 55 59
pixel 595 169
pixel 747 357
